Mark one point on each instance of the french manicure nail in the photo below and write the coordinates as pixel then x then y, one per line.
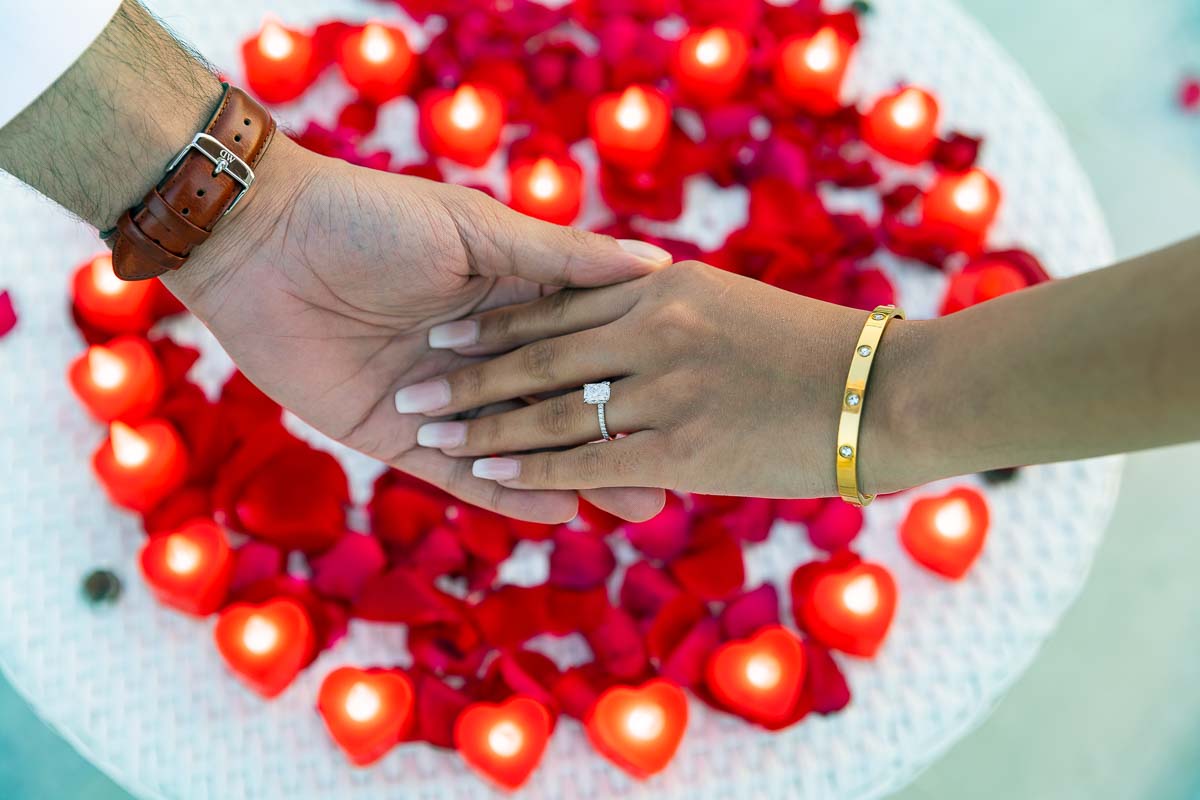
pixel 448 335
pixel 496 469
pixel 422 397
pixel 442 434
pixel 645 251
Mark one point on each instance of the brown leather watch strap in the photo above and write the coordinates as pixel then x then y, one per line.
pixel 205 180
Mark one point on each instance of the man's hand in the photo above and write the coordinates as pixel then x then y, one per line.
pixel 323 282
pixel 323 289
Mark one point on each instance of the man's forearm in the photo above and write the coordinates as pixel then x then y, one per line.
pixel 97 139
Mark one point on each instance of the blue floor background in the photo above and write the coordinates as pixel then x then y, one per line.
pixel 1111 708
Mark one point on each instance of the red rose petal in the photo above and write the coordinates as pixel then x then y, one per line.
pixel 404 595
pixel 512 615
pixel 437 707
pixel 835 526
pixel 579 560
pixel 685 664
pixel 664 536
pixel 645 589
pixel 824 683
pixel 712 572
pixel 343 570
pixel 672 623
pixel 618 645
pixel 8 313
pixel 745 614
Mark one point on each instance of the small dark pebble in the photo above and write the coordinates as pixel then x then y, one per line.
pixel 861 7
pixel 995 476
pixel 101 586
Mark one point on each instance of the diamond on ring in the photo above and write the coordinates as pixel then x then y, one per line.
pixel 596 393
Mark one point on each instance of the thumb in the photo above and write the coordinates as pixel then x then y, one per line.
pixel 501 242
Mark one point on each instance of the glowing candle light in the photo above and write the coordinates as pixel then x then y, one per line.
pixel 981 281
pixel 903 125
pixel 190 568
pixel 463 125
pixel 960 208
pixel 378 62
pixel 366 711
pixel 850 608
pixel 630 128
pixel 760 677
pixel 265 645
pixel 280 63
pixel 946 533
pixel 504 742
pixel 639 728
pixel 710 65
pixel 139 465
pixel 110 304
pixel 810 70
pixel 120 380
pixel 548 188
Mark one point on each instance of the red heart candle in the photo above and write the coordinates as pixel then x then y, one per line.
pixel 265 645
pixel 961 207
pixel 946 533
pixel 630 128
pixel 503 742
pixel 118 380
pixel 760 677
pixel 140 465
pixel 851 608
pixel 903 125
pixel 981 281
pixel 710 65
pixel 366 711
pixel 639 729
pixel 279 61
pixel 378 62
pixel 547 188
pixel 810 70
pixel 106 302
pixel 463 125
pixel 190 568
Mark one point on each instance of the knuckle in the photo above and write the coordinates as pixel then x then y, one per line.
pixel 467 385
pixel 538 360
pixel 674 325
pixel 556 416
pixel 497 327
pixel 589 462
pixel 557 306
pixel 483 433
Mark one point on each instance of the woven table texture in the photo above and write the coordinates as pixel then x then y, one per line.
pixel 141 691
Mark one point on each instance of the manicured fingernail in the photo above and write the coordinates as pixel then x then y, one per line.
pixel 462 333
pixel 496 469
pixel 645 251
pixel 442 434
pixel 422 397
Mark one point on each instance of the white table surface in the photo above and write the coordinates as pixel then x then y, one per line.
pixel 1111 708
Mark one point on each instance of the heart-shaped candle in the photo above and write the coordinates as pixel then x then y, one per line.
pixel 366 711
pixel 760 677
pixel 851 608
pixel 265 645
pixel 946 533
pixel 639 728
pixel 463 124
pixel 503 742
pixel 141 465
pixel 190 568
pixel 118 380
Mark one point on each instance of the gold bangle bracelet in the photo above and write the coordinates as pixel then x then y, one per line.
pixel 854 398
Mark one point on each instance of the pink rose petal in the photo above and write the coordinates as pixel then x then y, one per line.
pixel 343 570
pixel 748 612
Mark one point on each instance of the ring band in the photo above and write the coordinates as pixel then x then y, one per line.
pixel 597 394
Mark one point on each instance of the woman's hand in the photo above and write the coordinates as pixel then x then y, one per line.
pixel 721 384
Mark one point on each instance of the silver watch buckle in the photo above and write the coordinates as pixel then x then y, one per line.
pixel 223 162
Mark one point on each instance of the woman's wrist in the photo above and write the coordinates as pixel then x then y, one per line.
pixel 901 424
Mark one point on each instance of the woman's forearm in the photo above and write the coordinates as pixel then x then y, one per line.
pixel 1101 363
